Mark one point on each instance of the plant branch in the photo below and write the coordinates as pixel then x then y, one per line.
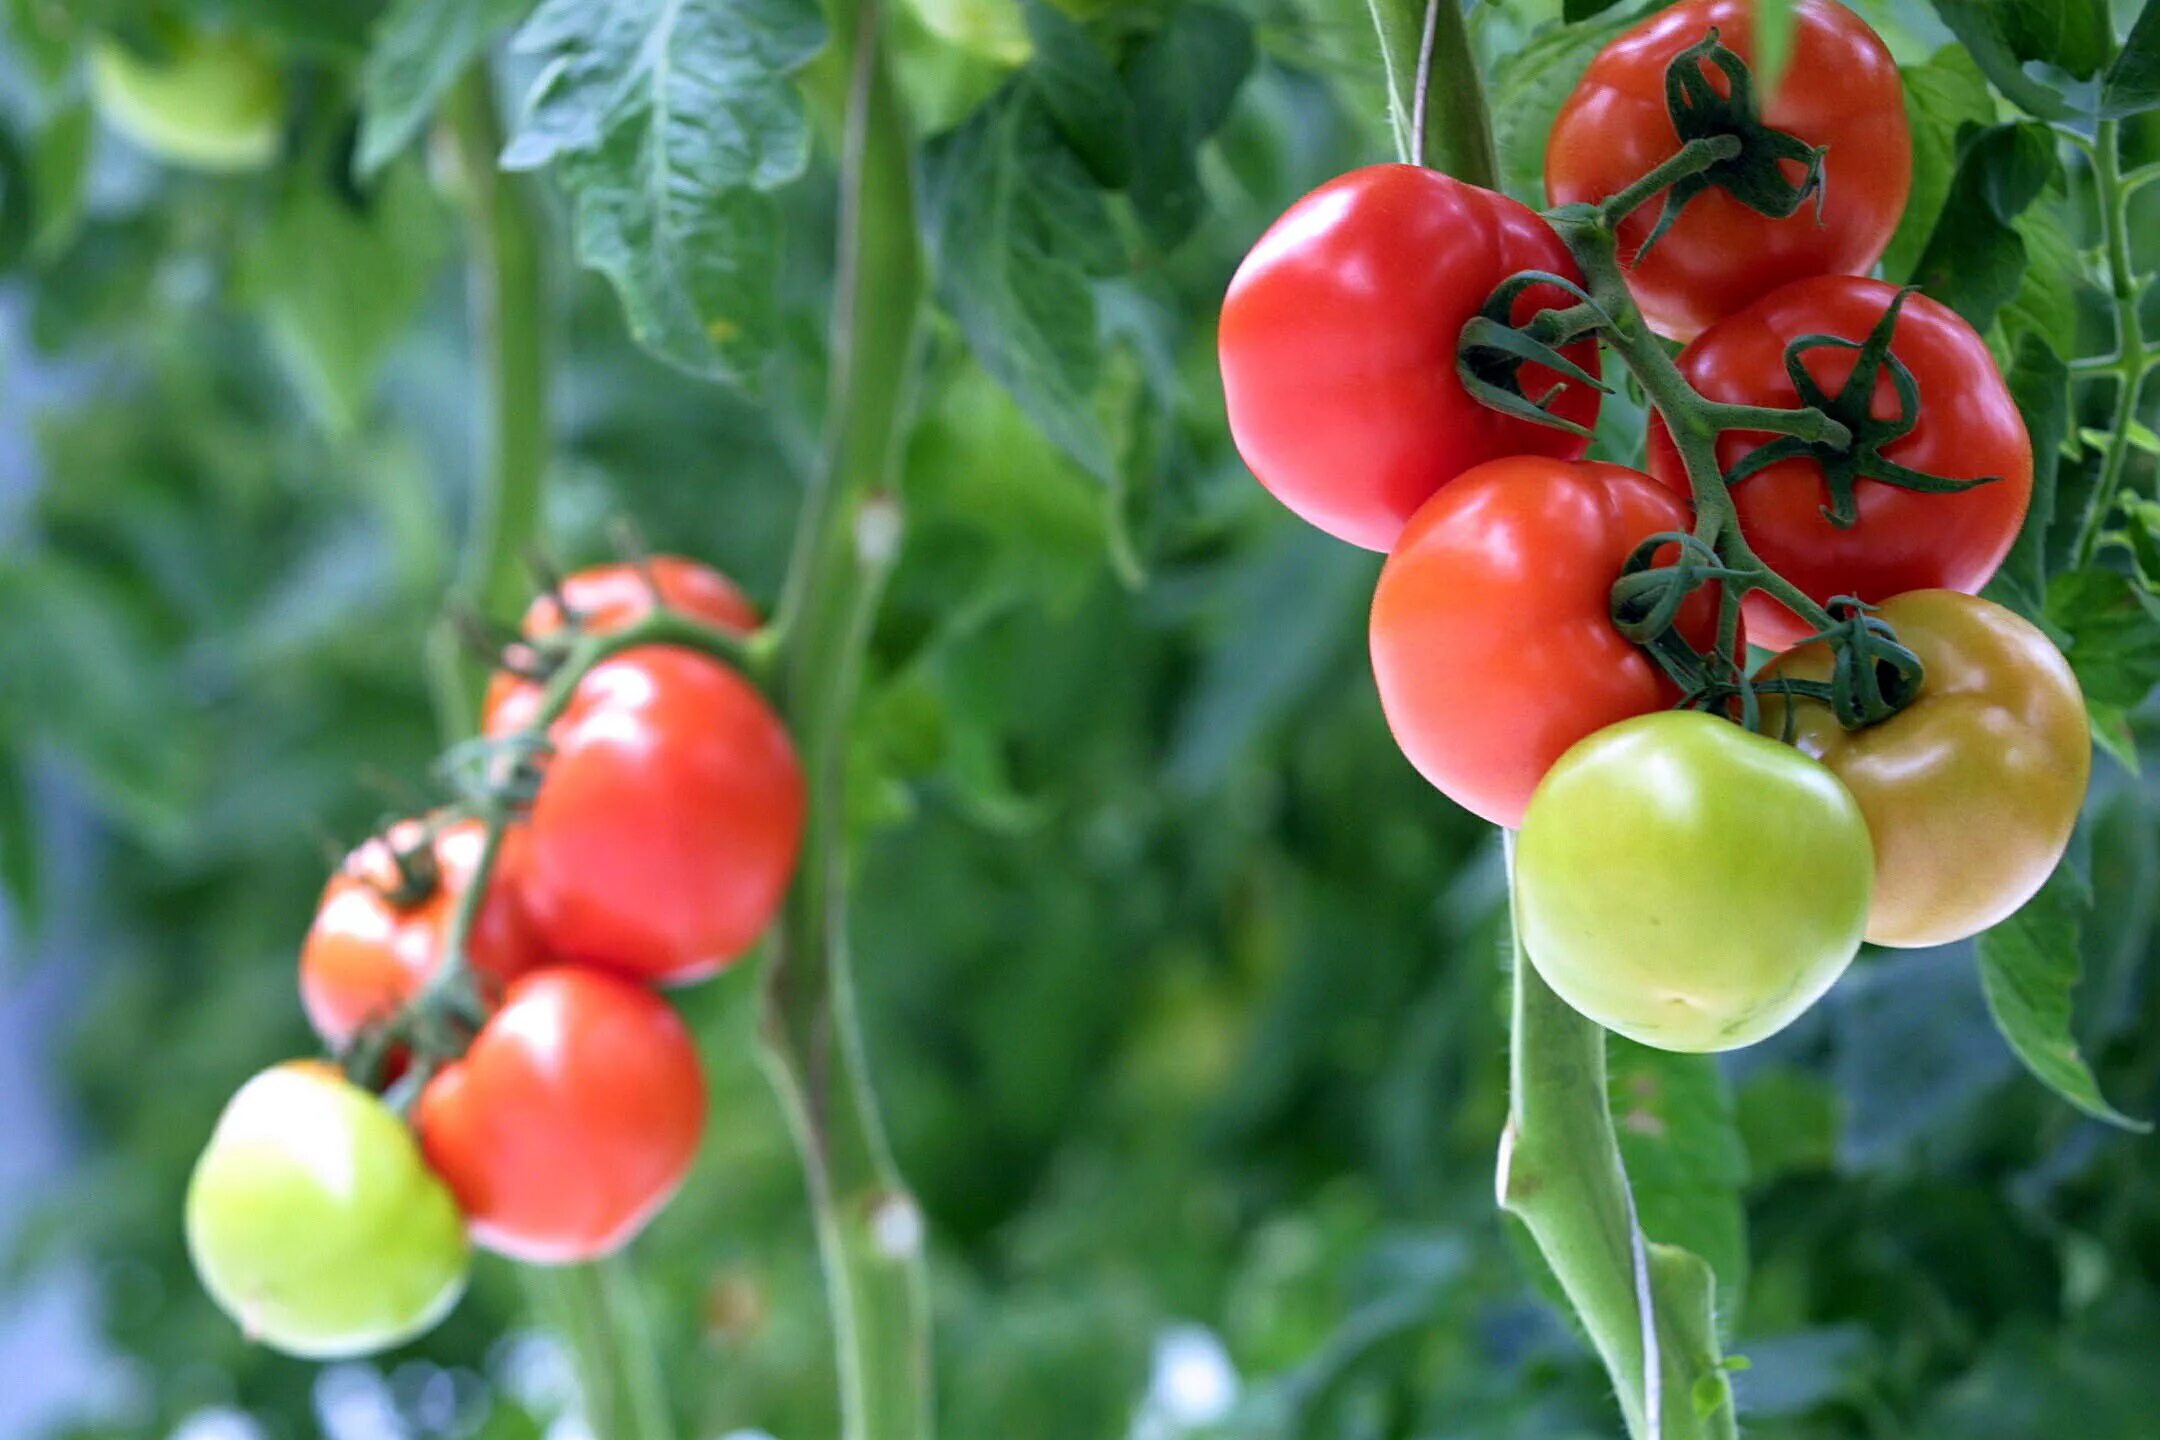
pixel 596 1312
pixel 508 315
pixel 870 1231
pixel 1648 1308
pixel 1436 93
pixel 2134 360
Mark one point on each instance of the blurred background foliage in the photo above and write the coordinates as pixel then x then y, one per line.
pixel 1184 992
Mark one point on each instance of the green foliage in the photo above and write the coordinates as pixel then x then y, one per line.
pixel 1184 993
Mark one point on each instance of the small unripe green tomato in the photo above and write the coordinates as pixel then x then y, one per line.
pixel 314 1222
pixel 1689 884
pixel 212 101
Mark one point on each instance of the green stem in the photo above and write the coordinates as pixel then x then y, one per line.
pixel 1648 1308
pixel 594 1309
pixel 508 317
pixel 1692 158
pixel 870 1231
pixel 2134 361
pixel 1436 92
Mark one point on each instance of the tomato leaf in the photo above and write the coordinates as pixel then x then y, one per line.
pixel 1975 259
pixel 2133 81
pixel 2037 52
pixel 1083 92
pixel 417 51
pixel 21 873
pixel 1018 230
pixel 1942 97
pixel 2114 633
pixel 2040 383
pixel 2029 965
pixel 1183 83
pixel 339 285
pixel 1680 1137
pixel 671 124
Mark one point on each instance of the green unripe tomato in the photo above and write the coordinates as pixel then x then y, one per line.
pixel 212 101
pixel 314 1222
pixel 1689 884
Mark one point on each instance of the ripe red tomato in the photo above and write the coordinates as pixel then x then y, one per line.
pixel 1492 634
pixel 668 821
pixel 1968 426
pixel 1338 346
pixel 1840 89
pixel 571 1120
pixel 367 952
pixel 606 598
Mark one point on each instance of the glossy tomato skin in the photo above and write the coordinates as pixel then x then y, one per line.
pixel 669 818
pixel 1840 89
pixel 314 1223
pixel 572 1119
pixel 1690 885
pixel 1971 791
pixel 365 954
pixel 1492 637
pixel 1903 540
pixel 1338 346
pixel 608 598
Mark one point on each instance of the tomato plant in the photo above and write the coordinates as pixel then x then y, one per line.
pixel 669 819
pixel 572 1119
pixel 1690 885
pixel 1492 639
pixel 1861 535
pixel 1839 95
pixel 312 1220
pixel 1970 792
pixel 1338 342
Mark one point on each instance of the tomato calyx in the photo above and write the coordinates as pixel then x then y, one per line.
pixel 1493 350
pixel 1845 466
pixel 1754 174
pixel 1875 675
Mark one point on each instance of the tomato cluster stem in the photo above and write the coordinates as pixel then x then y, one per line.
pixel 2134 359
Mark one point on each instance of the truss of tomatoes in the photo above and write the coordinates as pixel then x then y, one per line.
pixel 1680 879
pixel 568 1106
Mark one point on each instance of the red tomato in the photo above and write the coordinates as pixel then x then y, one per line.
pixel 572 1119
pixel 1338 346
pixel 1492 634
pixel 668 821
pixel 606 598
pixel 366 953
pixel 1840 89
pixel 1968 426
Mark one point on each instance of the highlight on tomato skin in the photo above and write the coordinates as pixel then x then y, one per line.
pixel 1338 346
pixel 669 819
pixel 1967 426
pixel 1689 884
pixel 1971 792
pixel 369 950
pixel 1840 90
pixel 572 1119
pixel 609 598
pixel 313 1222
pixel 1492 639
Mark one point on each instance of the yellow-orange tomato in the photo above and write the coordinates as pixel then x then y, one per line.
pixel 1972 790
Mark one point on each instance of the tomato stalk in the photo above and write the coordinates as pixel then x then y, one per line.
pixel 1445 126
pixel 2133 359
pixel 870 1230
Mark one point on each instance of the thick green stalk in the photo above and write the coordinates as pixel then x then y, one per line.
pixel 870 1230
pixel 1648 1308
pixel 508 319
pixel 2133 360
pixel 597 1314
pixel 1436 92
